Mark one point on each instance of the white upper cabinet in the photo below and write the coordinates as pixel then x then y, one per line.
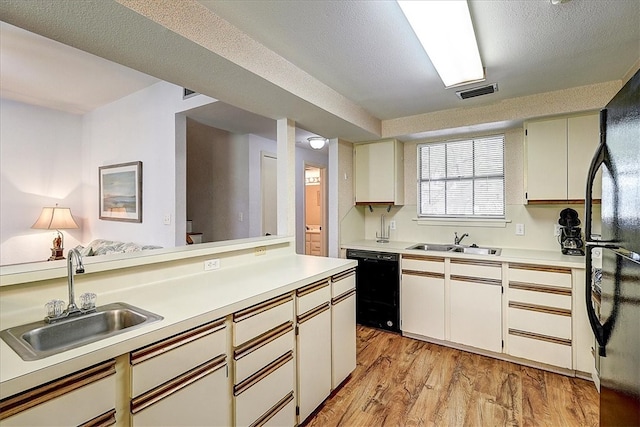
pixel 379 172
pixel 558 154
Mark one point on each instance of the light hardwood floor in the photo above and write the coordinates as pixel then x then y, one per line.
pixel 405 382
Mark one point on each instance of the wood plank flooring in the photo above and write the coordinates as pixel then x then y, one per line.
pixel 405 382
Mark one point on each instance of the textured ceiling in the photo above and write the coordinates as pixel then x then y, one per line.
pixel 338 68
pixel 366 51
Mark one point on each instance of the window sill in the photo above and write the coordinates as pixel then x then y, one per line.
pixel 467 222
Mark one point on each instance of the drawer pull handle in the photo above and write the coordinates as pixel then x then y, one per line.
pixel 540 337
pixel 423 258
pixel 178 383
pixel 262 340
pixel 478 280
pixel 540 288
pixel 540 308
pixel 273 411
pixel 262 307
pixel 156 349
pixel 543 268
pixel 476 262
pixel 423 274
pixel 263 373
pixel 343 275
pixel 314 312
pixel 309 289
pixel 104 420
pixel 344 296
pixel 38 395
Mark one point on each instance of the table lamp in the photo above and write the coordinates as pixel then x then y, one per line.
pixel 55 218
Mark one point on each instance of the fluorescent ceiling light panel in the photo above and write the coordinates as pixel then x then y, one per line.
pixel 445 30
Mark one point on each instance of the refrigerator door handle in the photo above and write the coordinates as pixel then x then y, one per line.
pixel 597 328
pixel 600 157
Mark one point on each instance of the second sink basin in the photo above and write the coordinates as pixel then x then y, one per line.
pixel 40 339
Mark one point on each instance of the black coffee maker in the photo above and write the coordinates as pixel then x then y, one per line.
pixel 570 234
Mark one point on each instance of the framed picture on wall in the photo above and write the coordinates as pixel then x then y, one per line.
pixel 120 188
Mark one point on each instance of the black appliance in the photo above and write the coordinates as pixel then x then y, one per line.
pixel 618 156
pixel 377 289
pixel 570 234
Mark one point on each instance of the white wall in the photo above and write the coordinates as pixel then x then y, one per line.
pixel 138 127
pixel 40 165
pixel 538 220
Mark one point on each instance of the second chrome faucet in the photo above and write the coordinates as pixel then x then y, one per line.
pixel 457 240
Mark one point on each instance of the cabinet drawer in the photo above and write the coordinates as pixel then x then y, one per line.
pixel 284 414
pixel 543 275
pixel 259 393
pixel 256 354
pixel 260 318
pixel 87 395
pixel 343 282
pixel 482 269
pixel 539 349
pixel 157 363
pixel 313 295
pixel 423 263
pixel 198 397
pixel 533 318
pixel 540 297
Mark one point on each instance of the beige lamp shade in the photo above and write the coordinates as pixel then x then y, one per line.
pixel 55 219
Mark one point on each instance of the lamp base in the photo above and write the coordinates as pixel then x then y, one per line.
pixel 56 253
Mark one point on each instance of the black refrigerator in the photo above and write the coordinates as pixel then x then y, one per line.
pixel 617 325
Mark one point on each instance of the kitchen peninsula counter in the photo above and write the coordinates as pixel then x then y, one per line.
pixel 183 297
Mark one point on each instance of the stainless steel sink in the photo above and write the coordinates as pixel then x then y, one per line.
pixel 476 250
pixel 37 340
pixel 432 247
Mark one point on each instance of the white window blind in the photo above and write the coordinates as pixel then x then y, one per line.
pixel 462 178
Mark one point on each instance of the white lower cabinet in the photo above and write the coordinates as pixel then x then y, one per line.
pixel 84 398
pixel 476 304
pixel 540 314
pixel 264 367
pixel 182 380
pixel 343 326
pixel 313 346
pixel 422 296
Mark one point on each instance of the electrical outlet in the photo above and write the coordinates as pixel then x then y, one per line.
pixel 556 229
pixel 260 250
pixel 392 225
pixel 519 229
pixel 211 264
pixel 166 219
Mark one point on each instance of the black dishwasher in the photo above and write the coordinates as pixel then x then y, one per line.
pixel 377 289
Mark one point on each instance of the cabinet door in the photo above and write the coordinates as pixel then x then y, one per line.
pixel 476 313
pixel 88 395
pixel 205 401
pixel 343 337
pixel 423 304
pixel 375 172
pixel 546 160
pixel 314 360
pixel 583 137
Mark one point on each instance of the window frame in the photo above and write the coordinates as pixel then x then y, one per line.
pixel 473 178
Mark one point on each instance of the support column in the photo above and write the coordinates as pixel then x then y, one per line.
pixel 286 137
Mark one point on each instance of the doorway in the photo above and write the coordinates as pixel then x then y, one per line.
pixel 315 216
pixel 269 192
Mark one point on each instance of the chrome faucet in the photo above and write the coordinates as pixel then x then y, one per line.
pixel 72 307
pixel 457 240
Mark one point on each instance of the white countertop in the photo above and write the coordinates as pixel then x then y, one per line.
pixel 555 258
pixel 184 302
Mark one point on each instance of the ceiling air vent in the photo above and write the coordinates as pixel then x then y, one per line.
pixel 477 91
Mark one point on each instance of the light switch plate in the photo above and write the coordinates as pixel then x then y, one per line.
pixel 519 229
pixel 166 219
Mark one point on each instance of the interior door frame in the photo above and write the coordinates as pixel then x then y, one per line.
pixel 323 203
pixel 263 155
